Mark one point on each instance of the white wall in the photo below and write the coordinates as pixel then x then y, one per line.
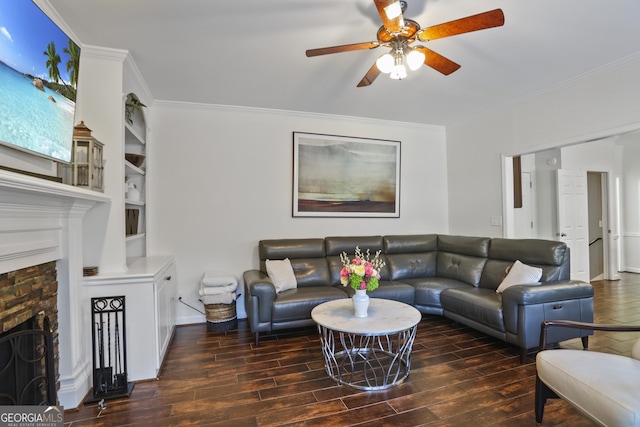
pixel 546 178
pixel 594 106
pixel 631 206
pixel 595 156
pixel 220 180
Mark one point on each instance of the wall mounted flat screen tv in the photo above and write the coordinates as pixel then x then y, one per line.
pixel 38 80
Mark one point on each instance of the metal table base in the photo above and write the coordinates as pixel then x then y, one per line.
pixel 367 362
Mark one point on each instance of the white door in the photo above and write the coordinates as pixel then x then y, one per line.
pixel 523 217
pixel 573 225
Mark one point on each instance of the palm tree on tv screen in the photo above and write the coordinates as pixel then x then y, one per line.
pixel 53 59
pixel 73 62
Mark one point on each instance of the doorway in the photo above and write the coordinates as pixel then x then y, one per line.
pixel 539 216
pixel 597 203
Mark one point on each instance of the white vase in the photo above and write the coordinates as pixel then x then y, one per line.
pixel 360 303
pixel 133 194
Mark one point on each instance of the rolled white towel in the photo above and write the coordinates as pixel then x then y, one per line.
pixel 217 290
pixel 225 298
pixel 215 279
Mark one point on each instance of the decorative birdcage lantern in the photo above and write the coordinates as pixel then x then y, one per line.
pixel 86 169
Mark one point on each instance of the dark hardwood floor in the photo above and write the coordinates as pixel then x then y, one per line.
pixel 459 377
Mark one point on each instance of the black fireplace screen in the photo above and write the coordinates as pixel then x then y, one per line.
pixel 109 349
pixel 27 370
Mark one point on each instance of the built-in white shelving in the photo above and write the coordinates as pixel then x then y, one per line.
pixel 135 208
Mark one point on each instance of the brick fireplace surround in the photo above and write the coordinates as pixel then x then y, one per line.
pixel 41 259
pixel 31 293
pixel 27 293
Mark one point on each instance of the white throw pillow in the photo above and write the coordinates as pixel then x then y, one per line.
pixel 520 274
pixel 281 274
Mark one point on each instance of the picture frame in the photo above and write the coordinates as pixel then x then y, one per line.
pixel 342 176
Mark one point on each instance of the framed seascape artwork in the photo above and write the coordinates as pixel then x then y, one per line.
pixel 340 176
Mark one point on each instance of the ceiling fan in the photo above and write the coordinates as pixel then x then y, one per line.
pixel 399 34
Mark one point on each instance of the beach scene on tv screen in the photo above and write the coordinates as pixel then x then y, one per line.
pixel 38 81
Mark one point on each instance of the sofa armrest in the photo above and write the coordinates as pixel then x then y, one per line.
pixel 546 292
pixel 259 298
pixel 525 307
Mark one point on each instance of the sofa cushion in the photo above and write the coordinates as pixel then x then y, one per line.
pixel 520 274
pixel 296 304
pixel 552 256
pixel 411 256
pixel 335 246
pixel 464 268
pixel 429 289
pixel 480 305
pixel 281 274
pixel 307 256
pixel 290 248
pixel 462 258
pixel 493 273
pixel 411 265
pixel 464 245
pixel 396 291
pixel 402 244
pixel 529 251
pixel 311 272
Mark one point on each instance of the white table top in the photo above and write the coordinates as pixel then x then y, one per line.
pixel 385 317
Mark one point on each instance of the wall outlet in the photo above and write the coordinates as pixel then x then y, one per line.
pixel 495 221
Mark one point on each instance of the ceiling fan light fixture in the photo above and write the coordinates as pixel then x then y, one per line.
pixel 385 63
pixel 398 34
pixel 415 59
pixel 398 73
pixel 399 70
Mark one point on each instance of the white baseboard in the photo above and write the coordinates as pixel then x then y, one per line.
pixel 189 320
pixel 74 389
pixel 198 318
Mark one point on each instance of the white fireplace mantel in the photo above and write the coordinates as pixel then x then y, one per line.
pixel 52 190
pixel 42 221
pixel 33 212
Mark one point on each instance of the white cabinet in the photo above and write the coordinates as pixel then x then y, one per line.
pixel 165 294
pixel 149 287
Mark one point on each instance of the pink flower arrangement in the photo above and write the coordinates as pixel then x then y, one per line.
pixel 361 272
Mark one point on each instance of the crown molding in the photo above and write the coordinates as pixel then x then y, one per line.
pixel 288 113
pixel 142 90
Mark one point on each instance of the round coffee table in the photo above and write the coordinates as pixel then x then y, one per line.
pixel 367 353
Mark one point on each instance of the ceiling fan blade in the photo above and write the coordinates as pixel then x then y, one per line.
pixel 342 48
pixel 437 61
pixel 371 75
pixel 390 12
pixel 481 21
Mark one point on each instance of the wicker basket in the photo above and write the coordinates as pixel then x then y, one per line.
pixel 221 317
